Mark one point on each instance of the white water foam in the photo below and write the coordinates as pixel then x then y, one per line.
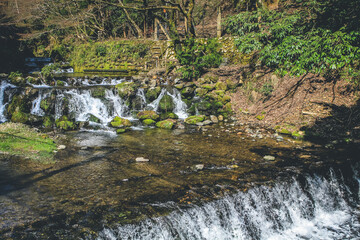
pixel 36 109
pixel 4 85
pixel 318 209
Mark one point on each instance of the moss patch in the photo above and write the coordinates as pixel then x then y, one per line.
pixel 148 115
pixel 21 140
pixel 148 122
pixel 195 119
pixel 119 122
pixel 166 124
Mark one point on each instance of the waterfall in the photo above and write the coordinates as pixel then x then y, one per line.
pixel 119 107
pixel 36 110
pixel 3 86
pixel 311 207
pixel 180 106
pixel 155 104
pixel 141 95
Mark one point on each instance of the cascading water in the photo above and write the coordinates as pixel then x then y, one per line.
pixel 180 106
pixel 36 109
pixel 311 208
pixel 3 86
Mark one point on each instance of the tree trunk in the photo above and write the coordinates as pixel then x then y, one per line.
pixel 219 23
pixel 138 30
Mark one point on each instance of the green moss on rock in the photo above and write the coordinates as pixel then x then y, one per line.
pixel 20 117
pixel 126 89
pixel 148 122
pixel 166 124
pixel 195 119
pixel 148 115
pixel 166 104
pixel 152 93
pixel 119 122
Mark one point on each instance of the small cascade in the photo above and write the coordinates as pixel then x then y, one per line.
pixel 312 207
pixel 4 85
pixel 155 104
pixel 83 105
pixel 141 95
pixel 119 107
pixel 36 110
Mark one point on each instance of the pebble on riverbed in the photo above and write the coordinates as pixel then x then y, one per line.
pixel 141 159
pixel 269 158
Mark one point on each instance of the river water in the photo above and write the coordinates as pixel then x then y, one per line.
pixel 199 183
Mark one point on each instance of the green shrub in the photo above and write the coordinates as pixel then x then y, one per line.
pixel 101 51
pixel 195 57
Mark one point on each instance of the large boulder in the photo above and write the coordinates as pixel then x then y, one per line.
pixel 166 104
pixel 126 89
pixel 148 115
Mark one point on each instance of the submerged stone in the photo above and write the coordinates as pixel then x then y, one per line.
pixel 269 158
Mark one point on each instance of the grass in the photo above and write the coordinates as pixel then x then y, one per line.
pixel 21 140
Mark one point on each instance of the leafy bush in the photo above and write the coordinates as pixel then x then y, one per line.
pixel 195 57
pixel 101 51
pixel 47 72
pixel 14 75
pixel 297 42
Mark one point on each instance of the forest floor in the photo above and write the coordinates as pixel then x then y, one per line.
pixel 307 105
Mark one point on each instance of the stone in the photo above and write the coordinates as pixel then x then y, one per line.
pixel 207 122
pixel 93 118
pixel 141 159
pixel 148 115
pixel 195 119
pixel 221 86
pixel 166 104
pixel 119 122
pixel 126 89
pixel 221 118
pixel 148 122
pixel 199 167
pixel 166 124
pixel 61 147
pixel 214 119
pixel 179 86
pixel 269 158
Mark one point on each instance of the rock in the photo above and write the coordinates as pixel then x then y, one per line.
pixel 119 122
pixel 93 118
pixel 152 93
pixel 148 122
pixel 214 119
pixel 166 124
pixel 198 167
pixel 221 86
pixel 269 158
pixel 179 86
pixel 64 123
pixel 187 91
pixel 122 130
pixel 195 119
pixel 61 147
pixel 201 92
pixel 221 118
pixel 148 115
pixel 84 148
pixel 126 89
pixel 166 104
pixel 141 159
pixel 168 115
pixel 207 122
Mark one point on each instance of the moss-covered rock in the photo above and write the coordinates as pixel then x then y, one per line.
pixel 60 83
pixel 126 89
pixel 187 92
pixel 122 130
pixel 64 123
pixel 152 93
pixel 148 115
pixel 168 115
pixel 93 118
pixel 166 124
pixel 221 86
pixel 232 83
pixel 20 117
pixel 179 86
pixel 98 92
pixel 166 104
pixel 148 122
pixel 45 104
pixel 195 119
pixel 208 87
pixel 48 122
pixel 204 106
pixel 201 92
pixel 119 122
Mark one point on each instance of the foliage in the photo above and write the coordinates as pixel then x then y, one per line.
pixel 195 57
pixel 47 72
pixel 300 42
pixel 14 75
